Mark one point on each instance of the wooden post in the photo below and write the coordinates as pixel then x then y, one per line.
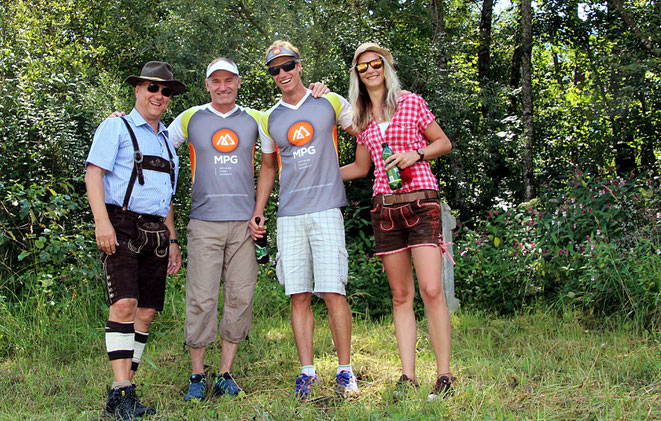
pixel 449 223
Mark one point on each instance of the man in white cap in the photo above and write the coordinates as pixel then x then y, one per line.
pixel 131 175
pixel 222 139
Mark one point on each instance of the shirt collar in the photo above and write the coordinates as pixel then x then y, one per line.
pixel 138 120
pixel 297 105
pixel 225 115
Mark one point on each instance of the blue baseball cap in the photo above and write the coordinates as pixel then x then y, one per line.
pixel 280 52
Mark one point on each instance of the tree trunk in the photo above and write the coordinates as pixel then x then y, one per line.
pixel 558 70
pixel 527 100
pixel 484 54
pixel 484 49
pixel 515 78
pixel 623 139
pixel 437 17
pixel 579 72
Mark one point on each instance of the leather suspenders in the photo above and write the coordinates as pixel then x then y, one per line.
pixel 145 162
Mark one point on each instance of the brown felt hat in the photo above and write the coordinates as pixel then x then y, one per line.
pixel 158 71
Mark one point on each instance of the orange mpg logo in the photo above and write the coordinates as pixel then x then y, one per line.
pixel 225 140
pixel 300 133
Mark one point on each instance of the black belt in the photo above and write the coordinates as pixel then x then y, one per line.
pixel 398 198
pixel 114 209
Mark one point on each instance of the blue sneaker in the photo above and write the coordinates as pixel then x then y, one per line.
pixel 304 385
pixel 197 385
pixel 347 384
pixel 225 385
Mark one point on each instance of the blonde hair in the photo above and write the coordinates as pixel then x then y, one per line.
pixel 361 104
pixel 282 44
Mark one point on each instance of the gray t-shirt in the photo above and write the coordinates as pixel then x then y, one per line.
pixel 222 152
pixel 305 138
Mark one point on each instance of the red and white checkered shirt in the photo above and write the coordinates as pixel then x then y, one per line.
pixel 405 133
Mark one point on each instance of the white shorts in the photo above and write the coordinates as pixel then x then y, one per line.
pixel 312 244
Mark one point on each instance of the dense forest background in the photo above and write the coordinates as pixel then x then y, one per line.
pixel 553 108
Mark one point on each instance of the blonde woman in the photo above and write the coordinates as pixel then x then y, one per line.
pixel 406 221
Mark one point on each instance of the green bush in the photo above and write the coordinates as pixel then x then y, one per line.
pixel 497 261
pixel 594 244
pixel 47 235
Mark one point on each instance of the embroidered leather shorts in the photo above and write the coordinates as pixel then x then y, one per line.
pixel 403 226
pixel 138 268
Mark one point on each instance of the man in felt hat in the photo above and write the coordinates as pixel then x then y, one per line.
pixel 131 175
pixel 302 130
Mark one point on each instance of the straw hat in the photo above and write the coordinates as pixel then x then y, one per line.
pixel 371 46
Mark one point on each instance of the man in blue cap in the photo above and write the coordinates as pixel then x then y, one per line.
pixel 299 137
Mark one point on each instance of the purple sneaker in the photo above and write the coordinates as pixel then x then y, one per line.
pixel 304 385
pixel 347 384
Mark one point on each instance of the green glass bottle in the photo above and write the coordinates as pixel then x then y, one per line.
pixel 394 180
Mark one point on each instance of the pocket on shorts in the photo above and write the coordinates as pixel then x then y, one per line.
pixel 278 269
pixel 163 245
pixel 137 244
pixel 409 217
pixel 423 203
pixel 427 208
pixel 343 265
pixel 385 217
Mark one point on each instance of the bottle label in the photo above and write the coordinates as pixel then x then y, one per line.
pixel 261 251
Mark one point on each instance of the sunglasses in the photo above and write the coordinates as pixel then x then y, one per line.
pixel 377 63
pixel 153 88
pixel 287 67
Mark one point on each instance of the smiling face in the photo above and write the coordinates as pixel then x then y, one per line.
pixel 223 87
pixel 150 105
pixel 372 77
pixel 288 82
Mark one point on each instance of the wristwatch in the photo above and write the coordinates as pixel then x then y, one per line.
pixel 421 153
pixel 174 241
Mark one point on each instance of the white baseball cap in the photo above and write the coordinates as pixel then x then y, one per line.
pixel 222 65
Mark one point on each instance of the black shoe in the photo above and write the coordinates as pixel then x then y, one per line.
pixel 125 409
pixel 442 388
pixel 113 401
pixel 122 403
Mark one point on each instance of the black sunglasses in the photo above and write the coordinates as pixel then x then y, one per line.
pixel 287 67
pixel 153 88
pixel 377 63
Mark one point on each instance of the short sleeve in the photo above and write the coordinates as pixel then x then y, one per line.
pixel 267 144
pixel 361 138
pixel 425 117
pixel 176 133
pixel 345 113
pixel 105 144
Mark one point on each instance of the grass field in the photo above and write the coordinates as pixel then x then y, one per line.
pixel 535 365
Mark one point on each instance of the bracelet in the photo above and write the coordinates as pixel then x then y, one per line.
pixel 174 241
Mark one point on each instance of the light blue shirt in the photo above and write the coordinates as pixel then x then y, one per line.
pixel 112 150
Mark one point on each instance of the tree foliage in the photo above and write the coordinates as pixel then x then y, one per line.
pixel 595 86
